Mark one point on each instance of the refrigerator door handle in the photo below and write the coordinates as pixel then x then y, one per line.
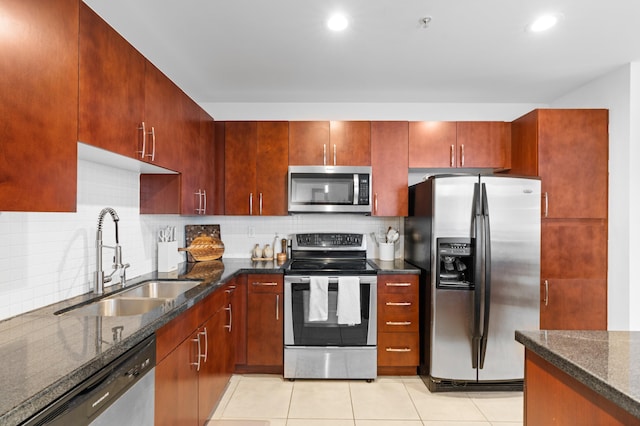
pixel 477 292
pixel 487 276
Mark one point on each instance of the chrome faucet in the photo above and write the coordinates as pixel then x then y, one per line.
pixel 100 277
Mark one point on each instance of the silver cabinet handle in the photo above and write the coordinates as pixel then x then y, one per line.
pixel 546 293
pixel 197 363
pixel 546 204
pixel 398 284
pixel 462 155
pixel 204 204
pixel 277 307
pixel 375 203
pixel 228 308
pixel 398 349
pixel 265 284
pixel 144 140
pixel 452 156
pixel 260 204
pixel 251 203
pixel 206 343
pixel 395 323
pixel 324 154
pixel 335 154
pixel 199 208
pixel 398 303
pixel 153 144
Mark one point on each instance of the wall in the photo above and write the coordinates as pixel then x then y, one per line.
pixel 48 257
pixel 619 91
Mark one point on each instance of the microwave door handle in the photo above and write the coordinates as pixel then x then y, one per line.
pixel 356 189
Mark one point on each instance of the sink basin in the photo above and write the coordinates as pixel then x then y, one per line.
pixel 159 289
pixel 117 307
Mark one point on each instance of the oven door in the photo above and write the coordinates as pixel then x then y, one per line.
pixel 299 331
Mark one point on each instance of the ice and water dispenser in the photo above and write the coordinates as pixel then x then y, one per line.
pixel 455 264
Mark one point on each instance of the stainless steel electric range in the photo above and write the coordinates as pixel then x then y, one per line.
pixel 330 308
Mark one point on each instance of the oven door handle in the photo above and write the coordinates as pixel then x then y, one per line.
pixel 332 280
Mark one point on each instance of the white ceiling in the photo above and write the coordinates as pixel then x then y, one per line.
pixel 473 50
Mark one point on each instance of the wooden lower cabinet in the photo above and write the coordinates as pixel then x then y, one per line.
pixel 552 397
pixel 265 322
pixel 191 375
pixel 398 324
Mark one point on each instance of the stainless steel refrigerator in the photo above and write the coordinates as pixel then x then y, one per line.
pixel 477 240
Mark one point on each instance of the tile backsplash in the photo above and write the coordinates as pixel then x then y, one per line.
pixel 48 257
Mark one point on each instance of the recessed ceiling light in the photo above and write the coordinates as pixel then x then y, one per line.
pixel 337 22
pixel 543 23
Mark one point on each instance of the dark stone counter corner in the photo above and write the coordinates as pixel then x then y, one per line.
pixel 608 362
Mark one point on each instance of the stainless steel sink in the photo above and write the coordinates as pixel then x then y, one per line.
pixel 159 289
pixel 117 307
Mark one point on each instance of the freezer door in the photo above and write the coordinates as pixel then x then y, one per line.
pixel 514 217
pixel 451 354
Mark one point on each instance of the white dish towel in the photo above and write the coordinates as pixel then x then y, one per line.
pixel 318 299
pixel 348 300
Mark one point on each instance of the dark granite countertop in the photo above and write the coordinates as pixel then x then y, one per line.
pixel 608 362
pixel 43 355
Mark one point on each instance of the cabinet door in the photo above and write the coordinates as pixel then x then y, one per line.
pixel 265 330
pixel 573 152
pixel 483 144
pixel 39 105
pixel 213 378
pixel 111 90
pixel 192 161
pixel 309 143
pixel 167 120
pixel 573 304
pixel 272 167
pixel 432 144
pixel 349 143
pixel 390 164
pixel 240 154
pixel 176 391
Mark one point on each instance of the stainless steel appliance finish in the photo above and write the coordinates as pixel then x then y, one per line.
pixel 477 238
pixel 329 189
pixel 327 348
pixel 122 393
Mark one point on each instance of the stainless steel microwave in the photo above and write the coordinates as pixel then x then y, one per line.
pixel 329 189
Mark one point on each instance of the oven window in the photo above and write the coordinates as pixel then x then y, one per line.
pixel 329 332
pixel 311 188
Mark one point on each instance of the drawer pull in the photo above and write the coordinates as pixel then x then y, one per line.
pixel 266 284
pixel 398 349
pixel 398 322
pixel 398 303
pixel 398 284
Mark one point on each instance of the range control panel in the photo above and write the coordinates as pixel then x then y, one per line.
pixel 340 241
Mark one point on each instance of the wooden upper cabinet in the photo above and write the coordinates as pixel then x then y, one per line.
pixel 449 144
pixel 432 144
pixel 483 144
pixel 39 106
pixel 256 156
pixel 349 143
pixel 111 90
pixel 340 143
pixel 568 149
pixel 309 143
pixel 389 164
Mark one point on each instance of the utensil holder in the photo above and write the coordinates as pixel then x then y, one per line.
pixel 387 251
pixel 167 256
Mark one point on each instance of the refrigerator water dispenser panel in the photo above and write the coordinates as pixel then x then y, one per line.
pixel 454 269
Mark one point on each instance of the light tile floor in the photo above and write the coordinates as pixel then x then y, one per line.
pixel 261 400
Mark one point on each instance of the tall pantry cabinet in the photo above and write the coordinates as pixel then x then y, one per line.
pixel 568 150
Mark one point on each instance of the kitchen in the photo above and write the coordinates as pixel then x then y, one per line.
pixel 36 272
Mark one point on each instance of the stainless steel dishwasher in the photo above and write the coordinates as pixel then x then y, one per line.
pixel 121 394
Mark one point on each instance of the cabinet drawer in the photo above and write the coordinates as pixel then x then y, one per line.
pixel 265 283
pixel 397 313
pixel 406 284
pixel 398 349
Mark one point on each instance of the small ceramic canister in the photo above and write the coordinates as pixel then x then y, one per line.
pixel 267 252
pixel 257 252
